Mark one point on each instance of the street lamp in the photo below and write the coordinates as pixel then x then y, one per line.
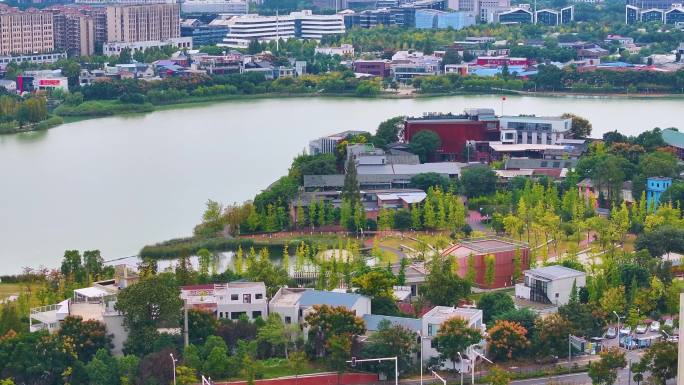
pixel 173 360
pixel 421 355
pixel 460 358
pixel 618 326
pixel 472 367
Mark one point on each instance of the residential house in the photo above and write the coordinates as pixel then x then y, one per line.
pixel 550 284
pixel 230 300
pixel 294 304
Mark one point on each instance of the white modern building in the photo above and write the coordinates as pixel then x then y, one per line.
pixel 226 7
pixel 228 300
pixel 530 129
pixel 115 48
pixel 432 321
pixel 342 50
pixel 328 144
pixel 303 25
pixel 293 304
pixel 550 284
pixel 91 303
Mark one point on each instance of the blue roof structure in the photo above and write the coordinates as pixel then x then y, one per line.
pixel 372 321
pixel 316 297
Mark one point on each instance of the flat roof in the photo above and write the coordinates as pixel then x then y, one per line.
pixel 555 272
pixel 373 321
pixel 448 312
pixel 480 246
pixel 500 147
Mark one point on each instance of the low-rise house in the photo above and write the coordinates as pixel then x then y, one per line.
pixel 550 284
pixel 96 303
pixel 9 85
pixel 432 320
pixel 228 300
pixel 293 304
pixel 342 50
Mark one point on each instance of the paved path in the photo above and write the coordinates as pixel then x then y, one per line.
pixel 475 221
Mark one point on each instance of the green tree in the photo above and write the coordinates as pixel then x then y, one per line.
pixel 327 321
pixel 388 341
pixel 455 336
pixel 581 127
pixel 498 376
pixel 490 264
pixel 88 337
pixel 495 303
pixel 604 371
pixel 661 360
pixel 478 181
pixel 273 333
pixel 507 339
pixel 424 144
pixel 443 286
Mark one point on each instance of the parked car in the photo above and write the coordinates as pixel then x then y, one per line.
pixel 673 339
pixel 655 326
pixel 626 329
pixel 641 329
pixel 610 333
pixel 669 322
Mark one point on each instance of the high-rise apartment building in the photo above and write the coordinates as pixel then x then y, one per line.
pixel 25 32
pixel 74 31
pixel 149 22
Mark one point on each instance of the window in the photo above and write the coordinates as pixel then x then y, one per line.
pixel 544 164
pixel 288 320
pixel 236 315
pixel 234 297
pixel 432 329
pixel 256 314
pixel 258 296
pixel 221 315
pixel 246 298
pixel 433 344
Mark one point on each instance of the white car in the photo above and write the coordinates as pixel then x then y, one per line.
pixel 626 330
pixel 655 326
pixel 641 329
pixel 669 322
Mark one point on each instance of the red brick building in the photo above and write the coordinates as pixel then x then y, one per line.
pixel 475 125
pixel 503 251
pixel 379 68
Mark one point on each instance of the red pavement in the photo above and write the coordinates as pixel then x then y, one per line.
pixel 316 379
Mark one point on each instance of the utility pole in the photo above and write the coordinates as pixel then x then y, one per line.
pixel 186 332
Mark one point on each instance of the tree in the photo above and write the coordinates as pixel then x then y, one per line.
pixel 498 376
pixel 350 189
pixel 507 339
pixel 455 336
pixel 493 304
pixel 430 179
pixel 604 371
pixel 613 300
pixel 339 346
pixel 551 336
pixel 87 337
pixel 490 263
pixel 327 321
pixel 388 341
pixel 424 144
pixel 185 375
pixel 201 324
pixel 586 320
pixel 375 283
pixel 388 131
pixel 524 317
pixel 442 286
pixel 478 181
pixel 273 333
pixel 103 369
pixel 581 127
pixel 298 362
pixel 661 360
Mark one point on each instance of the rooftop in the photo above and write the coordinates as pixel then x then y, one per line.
pixel 486 245
pixel 555 272
pixel 372 321
pixel 672 137
pixel 310 297
pixel 449 312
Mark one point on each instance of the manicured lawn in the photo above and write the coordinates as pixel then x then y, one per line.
pixel 279 367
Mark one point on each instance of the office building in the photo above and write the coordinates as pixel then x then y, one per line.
pixel 123 2
pixel 567 14
pixel 115 48
pixel 434 19
pixel 657 4
pixel 550 285
pixel 303 24
pixel 228 300
pixel 488 8
pixel 203 33
pixel 137 23
pixel 456 131
pixel 40 58
pixel 74 31
pixel 25 32
pixel 673 14
pixel 42 80
pixel 226 7
pixel 515 16
pixel 328 144
pixel 534 129
pixel 547 17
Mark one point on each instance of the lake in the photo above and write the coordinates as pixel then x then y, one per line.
pixel 118 183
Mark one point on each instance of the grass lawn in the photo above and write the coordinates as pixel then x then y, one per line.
pixel 7 289
pixel 280 367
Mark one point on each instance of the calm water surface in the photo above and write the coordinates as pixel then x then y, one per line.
pixel 119 183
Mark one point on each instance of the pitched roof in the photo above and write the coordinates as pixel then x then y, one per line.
pixel 673 138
